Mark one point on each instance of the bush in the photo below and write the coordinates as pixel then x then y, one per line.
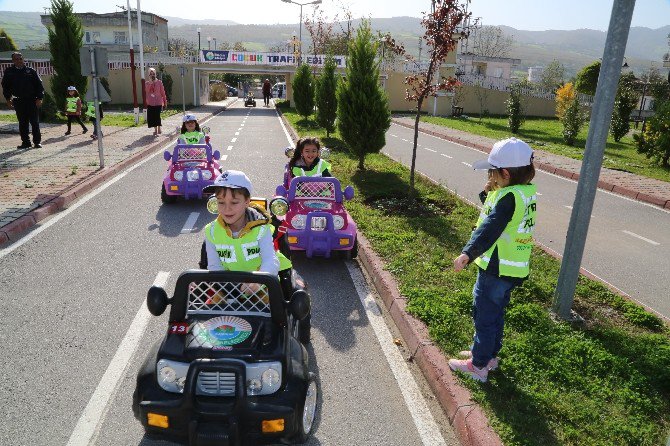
pixel 282 103
pixel 49 110
pixel 573 119
pixel 514 108
pixel 587 78
pixel 624 103
pixel 217 92
pixel 303 91
pixel 654 141
pixel 564 97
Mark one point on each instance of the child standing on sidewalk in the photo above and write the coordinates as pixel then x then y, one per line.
pixel 90 112
pixel 73 109
pixel 500 246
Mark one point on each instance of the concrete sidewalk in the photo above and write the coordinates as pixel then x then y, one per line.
pixel 35 183
pixel 640 188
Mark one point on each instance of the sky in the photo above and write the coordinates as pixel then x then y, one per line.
pixel 519 14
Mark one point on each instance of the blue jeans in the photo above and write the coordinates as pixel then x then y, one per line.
pixel 491 296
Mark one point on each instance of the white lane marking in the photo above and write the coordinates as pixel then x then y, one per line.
pixel 404 140
pixel 423 419
pixel 430 150
pixel 240 127
pixel 569 207
pixel 640 237
pixel 395 136
pixel 190 222
pixel 446 156
pixel 288 136
pixel 233 140
pixel 95 410
pixel 223 157
pixel 467 164
pixel 230 148
pixel 237 133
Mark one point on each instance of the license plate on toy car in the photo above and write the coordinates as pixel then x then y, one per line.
pixel 318 223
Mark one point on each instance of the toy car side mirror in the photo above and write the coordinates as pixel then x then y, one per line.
pixel 157 300
pixel 289 152
pixel 281 191
pixel 205 129
pixel 348 192
pixel 167 155
pixel 300 305
pixel 216 155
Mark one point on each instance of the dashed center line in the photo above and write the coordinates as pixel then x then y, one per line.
pixel 233 140
pixel 467 164
pixel 430 150
pixel 223 157
pixel 230 148
pixel 237 133
pixel 405 140
pixel 640 237
pixel 190 222
pixel 446 156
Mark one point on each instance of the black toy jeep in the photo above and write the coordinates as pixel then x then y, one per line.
pixel 230 370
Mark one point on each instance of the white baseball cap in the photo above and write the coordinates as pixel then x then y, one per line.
pixel 506 153
pixel 71 88
pixel 189 117
pixel 233 179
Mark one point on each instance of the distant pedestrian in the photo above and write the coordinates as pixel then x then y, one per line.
pixel 73 107
pixel 500 246
pixel 156 101
pixel 245 86
pixel 90 112
pixel 280 90
pixel 23 91
pixel 267 92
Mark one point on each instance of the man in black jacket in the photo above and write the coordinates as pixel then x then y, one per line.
pixel 25 86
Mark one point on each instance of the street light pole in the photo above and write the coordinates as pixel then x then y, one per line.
pixel 199 48
pixel 214 43
pixel 209 43
pixel 315 2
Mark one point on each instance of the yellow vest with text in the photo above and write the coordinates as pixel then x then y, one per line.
pixel 242 253
pixel 516 242
pixel 192 137
pixel 71 105
pixel 322 166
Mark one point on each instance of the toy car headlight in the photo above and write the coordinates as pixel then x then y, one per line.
pixel 279 206
pixel 179 175
pixel 338 222
pixel 263 378
pixel 193 175
pixel 270 378
pixel 298 221
pixel 206 174
pixel 171 375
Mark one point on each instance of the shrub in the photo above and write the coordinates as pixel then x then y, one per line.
pixel 654 141
pixel 49 110
pixel 564 97
pixel 514 108
pixel 217 92
pixel 624 104
pixel 326 99
pixel 587 78
pixel 303 91
pixel 573 119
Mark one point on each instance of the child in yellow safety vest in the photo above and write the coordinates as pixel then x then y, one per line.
pixel 500 246
pixel 240 239
pixel 73 109
pixel 90 112
pixel 190 131
pixel 306 161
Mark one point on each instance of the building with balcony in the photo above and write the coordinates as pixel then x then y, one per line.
pixel 494 67
pixel 111 30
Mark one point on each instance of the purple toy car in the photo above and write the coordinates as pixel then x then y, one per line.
pixel 315 220
pixel 191 168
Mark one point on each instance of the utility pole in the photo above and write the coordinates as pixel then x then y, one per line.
pixel 141 44
pixel 136 109
pixel 610 71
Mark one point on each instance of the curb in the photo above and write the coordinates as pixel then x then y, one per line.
pixel 604 185
pixel 466 417
pixel 13 231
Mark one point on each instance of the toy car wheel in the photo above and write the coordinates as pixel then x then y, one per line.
pixel 165 198
pixel 309 407
pixel 305 330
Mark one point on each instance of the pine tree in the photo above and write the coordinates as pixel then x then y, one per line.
pixel 6 42
pixel 326 98
pixel 363 114
pixel 624 104
pixel 66 34
pixel 303 91
pixel 514 108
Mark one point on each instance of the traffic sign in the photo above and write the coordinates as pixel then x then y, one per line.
pixel 103 96
pixel 101 60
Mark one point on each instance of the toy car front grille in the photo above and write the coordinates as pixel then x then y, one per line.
pixel 324 191
pixel 192 153
pixel 216 384
pixel 227 298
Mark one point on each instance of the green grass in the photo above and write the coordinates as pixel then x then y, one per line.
pixel 545 134
pixel 606 383
pixel 110 119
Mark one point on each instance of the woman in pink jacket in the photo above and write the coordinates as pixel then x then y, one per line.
pixel 156 101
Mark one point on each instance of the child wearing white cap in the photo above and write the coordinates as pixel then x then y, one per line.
pixel 190 131
pixel 73 109
pixel 500 246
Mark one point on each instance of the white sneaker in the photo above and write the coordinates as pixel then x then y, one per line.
pixel 465 366
pixel 492 365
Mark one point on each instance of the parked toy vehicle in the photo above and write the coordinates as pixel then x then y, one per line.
pixel 230 369
pixel 191 167
pixel 249 100
pixel 314 218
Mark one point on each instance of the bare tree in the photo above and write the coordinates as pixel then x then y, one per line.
pixel 321 31
pixel 443 30
pixel 239 46
pixel 553 75
pixel 491 41
pixel 181 46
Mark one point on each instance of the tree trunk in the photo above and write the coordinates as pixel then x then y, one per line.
pixel 361 161
pixel 419 102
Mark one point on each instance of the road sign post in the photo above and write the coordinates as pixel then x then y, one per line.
pixel 93 62
pixel 182 72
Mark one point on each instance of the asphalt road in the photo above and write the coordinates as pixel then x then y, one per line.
pixel 75 326
pixel 628 243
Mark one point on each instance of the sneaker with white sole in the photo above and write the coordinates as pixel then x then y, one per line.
pixel 465 366
pixel 492 365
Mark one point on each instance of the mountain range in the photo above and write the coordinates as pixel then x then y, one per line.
pixel 573 48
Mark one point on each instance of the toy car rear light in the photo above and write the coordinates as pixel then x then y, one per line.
pixel 260 202
pixel 157 420
pixel 269 426
pixel 344 241
pixel 292 239
pixel 174 187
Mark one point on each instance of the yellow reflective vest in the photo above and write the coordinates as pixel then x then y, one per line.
pixel 71 106
pixel 192 138
pixel 317 171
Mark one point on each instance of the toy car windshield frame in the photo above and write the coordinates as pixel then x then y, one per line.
pixel 192 288
pixel 180 148
pixel 301 187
